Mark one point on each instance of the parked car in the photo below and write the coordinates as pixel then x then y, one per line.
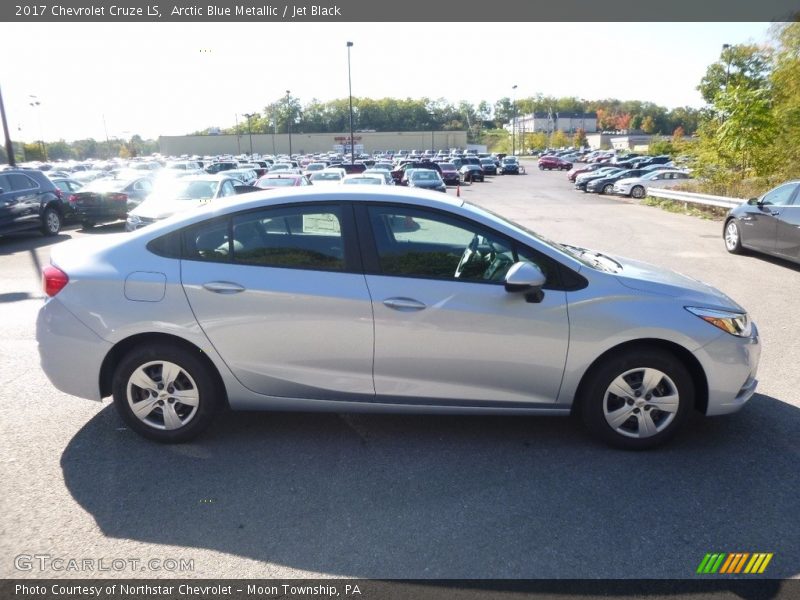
pixel 364 179
pixel 554 162
pixel 329 176
pixel 489 166
pixel 30 200
pixel 178 195
pixel 246 176
pixel 509 165
pixel 605 183
pixel 110 199
pixel 385 173
pixel 637 186
pixel 582 181
pixel 427 179
pixel 68 187
pixel 450 174
pixel 575 171
pixel 385 300
pixel 399 171
pixel 470 173
pixel 271 181
pixel 769 224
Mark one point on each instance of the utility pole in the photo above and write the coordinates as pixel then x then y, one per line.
pixel 9 146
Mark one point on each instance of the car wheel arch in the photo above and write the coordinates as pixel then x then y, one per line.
pixel 681 353
pixel 123 347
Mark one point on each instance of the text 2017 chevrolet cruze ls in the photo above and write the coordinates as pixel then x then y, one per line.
pixel 385 301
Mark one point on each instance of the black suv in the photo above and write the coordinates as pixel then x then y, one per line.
pixel 29 200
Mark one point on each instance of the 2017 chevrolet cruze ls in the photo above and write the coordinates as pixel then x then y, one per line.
pixel 384 301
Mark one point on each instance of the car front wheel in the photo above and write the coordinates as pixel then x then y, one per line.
pixel 733 238
pixel 608 188
pixel 165 392
pixel 637 399
pixel 638 192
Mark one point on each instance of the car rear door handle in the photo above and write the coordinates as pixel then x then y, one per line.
pixel 223 287
pixel 404 304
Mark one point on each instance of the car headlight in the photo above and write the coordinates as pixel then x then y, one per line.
pixel 735 323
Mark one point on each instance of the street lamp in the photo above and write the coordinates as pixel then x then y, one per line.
pixel 289 120
pixel 726 53
pixel 34 103
pixel 250 130
pixel 350 89
pixel 432 115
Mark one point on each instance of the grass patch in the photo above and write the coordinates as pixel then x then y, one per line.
pixel 712 213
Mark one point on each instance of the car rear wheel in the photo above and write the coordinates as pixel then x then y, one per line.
pixel 637 399
pixel 51 222
pixel 165 392
pixel 638 192
pixel 733 238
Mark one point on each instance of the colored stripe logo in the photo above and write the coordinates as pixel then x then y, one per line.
pixel 731 563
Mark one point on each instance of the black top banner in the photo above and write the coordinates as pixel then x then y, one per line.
pixel 444 11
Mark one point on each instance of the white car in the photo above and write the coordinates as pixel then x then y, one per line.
pixel 364 179
pixel 601 171
pixel 637 186
pixel 178 195
pixel 329 176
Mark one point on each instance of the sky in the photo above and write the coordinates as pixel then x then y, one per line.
pixel 151 79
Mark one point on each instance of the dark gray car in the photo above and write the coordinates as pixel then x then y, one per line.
pixel 29 200
pixel 769 224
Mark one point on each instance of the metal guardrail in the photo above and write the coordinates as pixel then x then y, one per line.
pixel 705 199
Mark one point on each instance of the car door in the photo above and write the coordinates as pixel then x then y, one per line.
pixel 443 338
pixel 787 237
pixel 26 206
pixel 280 294
pixel 760 226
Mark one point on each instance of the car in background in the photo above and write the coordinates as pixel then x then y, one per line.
pixel 449 173
pixel 110 199
pixel 30 200
pixel 509 165
pixel 575 171
pixel 270 181
pixel 769 224
pixel 470 172
pixel 637 187
pixel 553 162
pixel 68 187
pixel 171 196
pixel 387 300
pixel 313 167
pixel 223 165
pixel 427 179
pixel 605 183
pixel 364 179
pixel 398 172
pixel 246 176
pixel 489 166
pixel 582 181
pixel 385 173
pixel 329 176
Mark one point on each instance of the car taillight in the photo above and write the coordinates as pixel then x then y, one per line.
pixel 119 197
pixel 53 280
pixel 72 199
pixel 60 194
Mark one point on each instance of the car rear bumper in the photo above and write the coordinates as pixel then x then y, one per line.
pixel 70 353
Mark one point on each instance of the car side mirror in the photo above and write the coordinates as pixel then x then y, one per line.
pixel 527 278
pixel 752 201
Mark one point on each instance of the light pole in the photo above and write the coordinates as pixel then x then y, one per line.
pixel 250 130
pixel 289 120
pixel 34 102
pixel 727 55
pixel 514 122
pixel 350 89
pixel 9 145
pixel 238 140
pixel 432 115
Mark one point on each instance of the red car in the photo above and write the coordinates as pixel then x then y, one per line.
pixel 553 162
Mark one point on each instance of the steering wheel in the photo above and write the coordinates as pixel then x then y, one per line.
pixel 469 252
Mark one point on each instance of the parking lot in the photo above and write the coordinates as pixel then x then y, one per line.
pixel 294 495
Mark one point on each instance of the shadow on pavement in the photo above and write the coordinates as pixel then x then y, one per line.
pixel 450 497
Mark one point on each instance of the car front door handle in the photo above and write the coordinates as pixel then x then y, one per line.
pixel 404 304
pixel 223 287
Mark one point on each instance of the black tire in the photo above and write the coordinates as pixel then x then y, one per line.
pixel 194 378
pixel 638 192
pixel 596 399
pixel 732 237
pixel 607 189
pixel 51 221
pixel 541 167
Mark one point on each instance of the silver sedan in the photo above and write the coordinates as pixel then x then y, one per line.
pixel 381 299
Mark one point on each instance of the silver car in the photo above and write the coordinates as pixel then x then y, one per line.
pixel 380 299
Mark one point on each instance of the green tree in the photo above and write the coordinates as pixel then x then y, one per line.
pixel 786 100
pixel 648 124
pixel 579 139
pixel 743 66
pixel 559 139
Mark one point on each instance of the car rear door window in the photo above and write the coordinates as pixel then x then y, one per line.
pixel 294 237
pixel 21 182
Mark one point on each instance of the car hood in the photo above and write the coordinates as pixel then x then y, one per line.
pixel 161 209
pixel 645 277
